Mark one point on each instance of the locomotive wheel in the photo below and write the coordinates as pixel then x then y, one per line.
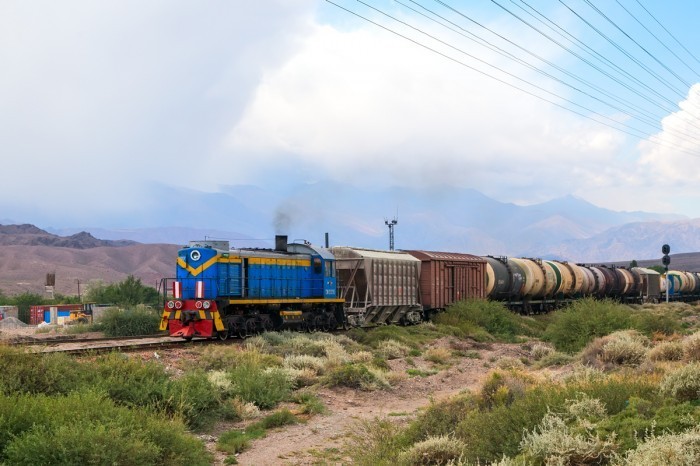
pixel 324 322
pixel 223 335
pixel 239 327
pixel 332 323
pixel 250 327
pixel 265 324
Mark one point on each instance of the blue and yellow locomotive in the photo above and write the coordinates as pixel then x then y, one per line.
pixel 222 292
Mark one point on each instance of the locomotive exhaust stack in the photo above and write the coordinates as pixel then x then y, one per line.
pixel 281 243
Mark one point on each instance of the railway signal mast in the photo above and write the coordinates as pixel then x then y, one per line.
pixel 391 224
pixel 666 260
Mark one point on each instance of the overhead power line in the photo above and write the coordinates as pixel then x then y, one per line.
pixel 597 93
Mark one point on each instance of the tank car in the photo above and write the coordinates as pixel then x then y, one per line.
pixel 219 292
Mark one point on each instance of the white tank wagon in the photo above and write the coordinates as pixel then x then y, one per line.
pixel 379 287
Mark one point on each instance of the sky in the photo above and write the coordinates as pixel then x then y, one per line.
pixel 104 104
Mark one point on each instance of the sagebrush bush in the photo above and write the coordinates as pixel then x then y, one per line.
pixel 509 362
pixel 666 351
pixel 691 347
pixel 392 349
pixel 433 451
pixel 376 441
pixel 681 449
pixel 682 384
pixel 539 351
pixel 627 347
pixel 586 408
pixel 554 442
pixel 304 361
pixel 624 348
pixel 334 352
pixel 438 355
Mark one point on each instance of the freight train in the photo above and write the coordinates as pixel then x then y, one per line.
pixel 222 292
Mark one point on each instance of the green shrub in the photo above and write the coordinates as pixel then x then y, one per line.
pixel 651 322
pixel 354 376
pixel 489 316
pixel 87 428
pixel 239 440
pixel 441 418
pixel 283 417
pixel 492 432
pixel 36 373
pixel 574 327
pixel 131 322
pixel 642 418
pixel 683 384
pixel 310 403
pixel 412 336
pixel 264 389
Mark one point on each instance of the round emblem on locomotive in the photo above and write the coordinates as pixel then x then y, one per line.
pixel 195 255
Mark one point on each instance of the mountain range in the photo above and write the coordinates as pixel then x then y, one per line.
pixel 452 219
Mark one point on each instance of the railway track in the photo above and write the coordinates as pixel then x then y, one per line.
pixel 91 346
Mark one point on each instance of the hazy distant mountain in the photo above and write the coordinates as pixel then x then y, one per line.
pixel 639 240
pixel 462 220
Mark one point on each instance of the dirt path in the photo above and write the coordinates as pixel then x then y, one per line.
pixel 325 435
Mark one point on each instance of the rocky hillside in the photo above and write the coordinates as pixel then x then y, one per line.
pixel 28 253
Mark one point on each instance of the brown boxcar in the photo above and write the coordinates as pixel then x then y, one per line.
pixel 447 277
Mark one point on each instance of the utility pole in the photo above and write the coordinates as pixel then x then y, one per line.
pixel 391 224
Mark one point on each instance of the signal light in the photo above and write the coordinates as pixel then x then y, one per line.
pixel 198 305
pixel 171 304
pixel 178 304
pixel 206 304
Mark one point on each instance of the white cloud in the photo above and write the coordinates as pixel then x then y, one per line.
pixel 100 99
pixel 363 106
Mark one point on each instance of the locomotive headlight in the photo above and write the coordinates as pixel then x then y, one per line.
pixel 171 304
pixel 206 304
pixel 198 305
pixel 178 304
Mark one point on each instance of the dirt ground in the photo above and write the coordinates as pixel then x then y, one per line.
pixel 322 438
